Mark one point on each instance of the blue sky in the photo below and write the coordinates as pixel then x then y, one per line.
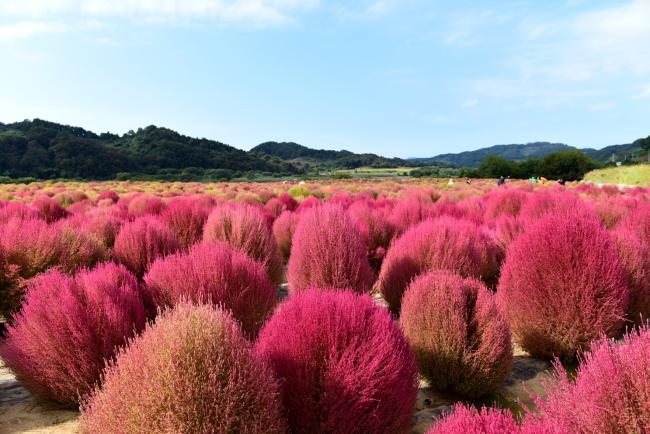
pixel 395 77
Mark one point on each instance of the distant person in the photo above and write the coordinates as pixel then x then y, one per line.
pixel 561 181
pixel 543 180
pixel 468 181
pixel 451 182
pixel 533 179
pixel 501 181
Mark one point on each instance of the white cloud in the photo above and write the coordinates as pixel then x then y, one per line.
pixel 645 92
pixel 254 11
pixel 26 29
pixel 472 102
pixel 601 106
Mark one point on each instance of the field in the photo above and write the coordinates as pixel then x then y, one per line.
pixel 336 306
pixel 625 175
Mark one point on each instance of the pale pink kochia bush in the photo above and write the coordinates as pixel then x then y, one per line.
pixel 327 252
pixel 638 220
pixel 145 204
pixel 610 394
pixel 547 202
pixel 373 222
pixel 283 230
pixel 19 211
pixel 141 242
pixel 409 212
pixel 504 201
pixel 68 327
pixel 49 209
pixel 460 339
pixel 185 218
pixel 244 227
pixel 469 420
pixel 563 285
pixel 108 195
pixel 190 372
pixel 344 365
pixel 216 274
pixel 635 257
pixel 104 227
pixel 439 244
pixel 78 247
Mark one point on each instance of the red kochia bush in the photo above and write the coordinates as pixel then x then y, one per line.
pixel 468 420
pixel 140 242
pixel 190 372
pixel 10 295
pixel 563 285
pixel 49 209
pixel 244 227
pixel 185 218
pixel 610 394
pixel 217 274
pixel 373 222
pixel 327 252
pixel 145 204
pixel 343 364
pixel 459 337
pixel 68 326
pixel 439 244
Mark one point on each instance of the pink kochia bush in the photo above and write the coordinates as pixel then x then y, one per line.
pixel 468 420
pixel 563 285
pixel 190 372
pixel 141 241
pixel 78 247
pixel 68 327
pixel 185 218
pixel 459 337
pixel 444 243
pixel 217 274
pixel 244 227
pixel 610 394
pixel 283 229
pixel 344 365
pixel 327 252
pixel 635 257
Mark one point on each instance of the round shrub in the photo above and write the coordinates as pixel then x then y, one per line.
pixel 469 420
pixel 504 201
pixel 460 339
pixel 444 243
pixel 344 365
pixel 217 274
pixel 145 204
pixel 10 294
pixel 635 257
pixel 327 252
pixel 141 241
pixel 610 394
pixel 244 227
pixel 283 230
pixel 185 217
pixel 190 372
pixel 562 285
pixel 78 247
pixel 58 342
pixel 29 244
pixel 49 209
pixel 373 222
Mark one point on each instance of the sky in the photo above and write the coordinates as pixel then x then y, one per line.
pixel 405 78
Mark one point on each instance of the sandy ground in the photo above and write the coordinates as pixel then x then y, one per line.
pixel 19 413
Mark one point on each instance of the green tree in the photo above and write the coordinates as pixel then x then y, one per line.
pixel 569 165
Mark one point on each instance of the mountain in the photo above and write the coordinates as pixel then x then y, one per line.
pixel 306 157
pixel 519 152
pixel 509 152
pixel 47 150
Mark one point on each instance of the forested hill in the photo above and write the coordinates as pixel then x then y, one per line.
pixel 299 154
pixel 47 150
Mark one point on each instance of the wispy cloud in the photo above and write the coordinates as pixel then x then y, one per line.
pixel 26 29
pixel 247 11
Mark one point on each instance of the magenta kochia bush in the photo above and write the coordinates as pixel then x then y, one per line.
pixel 10 294
pixel 468 420
pixel 344 365
pixel 68 326
pixel 610 394
pixel 49 209
pixel 283 229
pixel 244 227
pixel 373 222
pixel 459 337
pixel 327 252
pixel 218 274
pixel 562 285
pixel 141 241
pixel 444 243
pixel 190 372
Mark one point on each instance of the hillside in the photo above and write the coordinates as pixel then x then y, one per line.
pixel 519 152
pixel 48 150
pixel 299 154
pixel 638 174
